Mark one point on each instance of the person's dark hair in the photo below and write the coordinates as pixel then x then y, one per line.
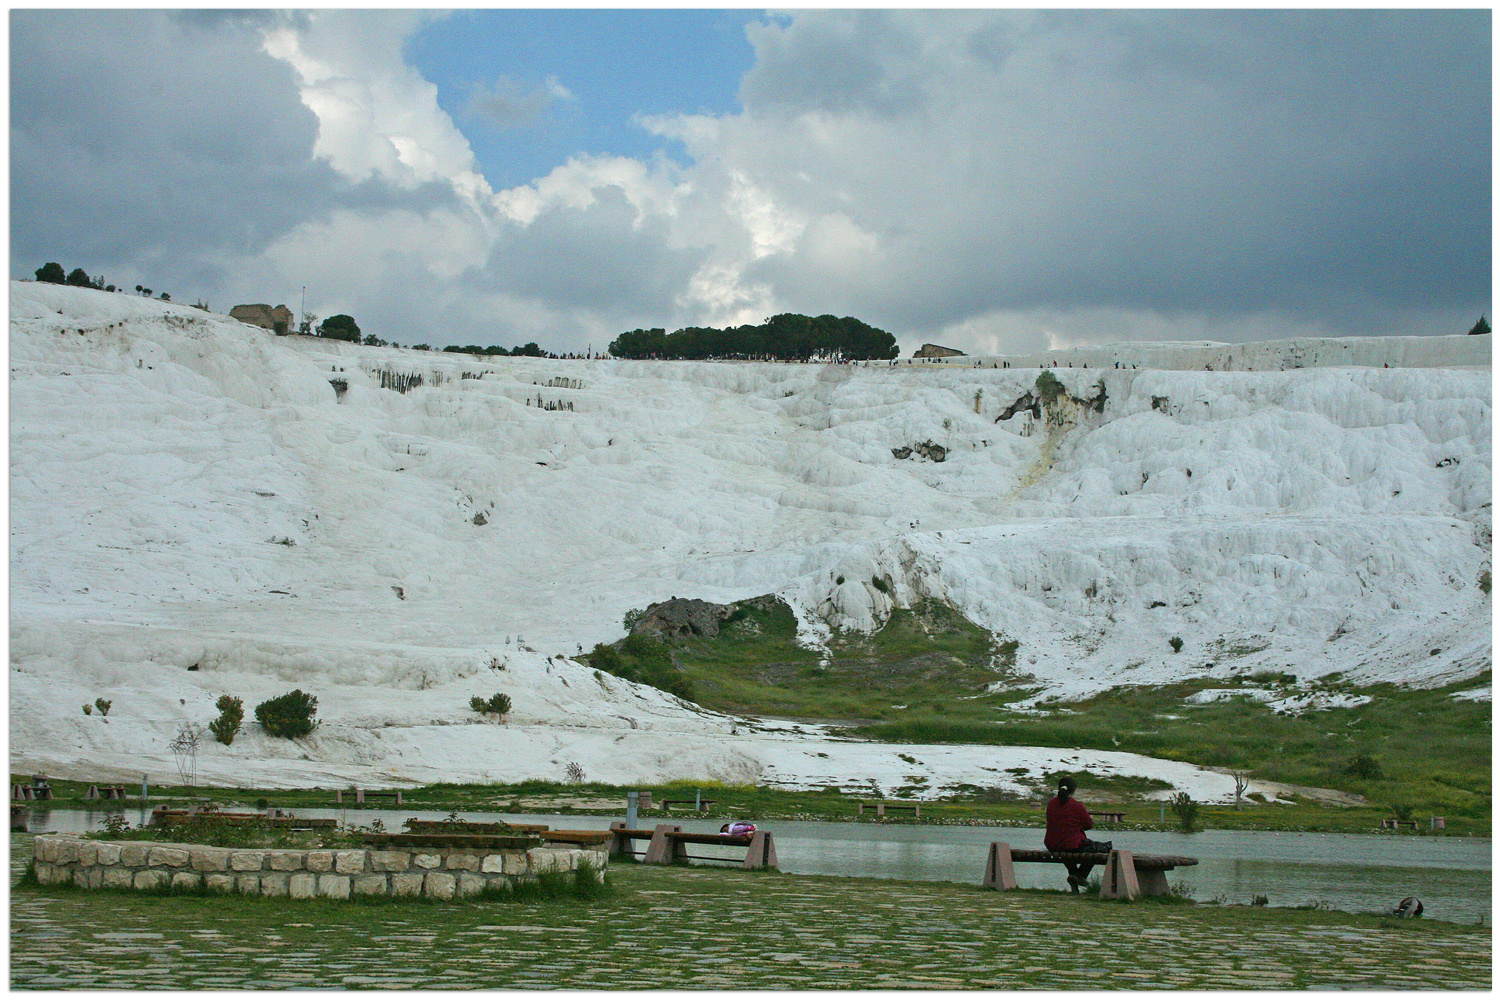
pixel 1066 787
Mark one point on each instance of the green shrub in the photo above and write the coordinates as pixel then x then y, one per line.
pixel 1364 766
pixel 1186 811
pixel 102 704
pixel 1484 581
pixel 1176 643
pixel 231 717
pixel 498 704
pixel 288 716
pixel 632 616
pixel 880 584
pixel 645 660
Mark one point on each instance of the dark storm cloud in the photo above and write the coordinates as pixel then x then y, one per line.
pixel 1332 164
pixel 594 258
pixel 152 144
pixel 863 62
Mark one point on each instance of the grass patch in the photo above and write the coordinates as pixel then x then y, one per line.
pixel 929 675
pixel 927 656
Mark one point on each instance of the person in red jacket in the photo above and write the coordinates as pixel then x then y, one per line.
pixel 1067 820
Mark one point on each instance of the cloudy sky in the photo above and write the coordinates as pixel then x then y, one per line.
pixel 990 180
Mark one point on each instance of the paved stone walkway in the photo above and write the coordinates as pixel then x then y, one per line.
pixel 720 928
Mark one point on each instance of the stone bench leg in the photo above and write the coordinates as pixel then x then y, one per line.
pixel 619 844
pixel 1152 883
pixel 999 871
pixel 762 852
pixel 660 852
pixel 1120 880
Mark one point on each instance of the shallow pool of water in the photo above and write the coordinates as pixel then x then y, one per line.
pixel 1358 872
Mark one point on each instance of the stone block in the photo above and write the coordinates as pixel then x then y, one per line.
pixel 390 861
pixel 406 884
pixel 334 886
pixel 247 861
pixel 1119 880
pixel 470 884
pixel 216 882
pixel 462 862
pixel 189 881
pixel 88 853
pixel 349 862
pixel 540 859
pixel 44 849
pixel 1000 869
pixel 517 863
pixel 286 861
pixel 134 855
pixel 439 885
pixel 44 870
pixel 170 857
pixel 369 885
pixel 273 884
pixel 302 885
pixel 119 878
pixel 65 852
pixel 151 879
pixel 426 860
pixel 1152 883
pixel 319 861
pixel 95 878
pixel 206 859
pixel 109 854
pixel 247 884
pixel 494 863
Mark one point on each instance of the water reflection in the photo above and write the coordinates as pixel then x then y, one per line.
pixel 1360 872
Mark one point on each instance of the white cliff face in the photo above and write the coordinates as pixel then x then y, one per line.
pixel 190 491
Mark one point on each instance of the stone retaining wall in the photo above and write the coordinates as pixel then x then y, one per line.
pixel 443 873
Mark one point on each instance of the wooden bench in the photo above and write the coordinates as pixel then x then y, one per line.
pixel 1126 875
pixel 1396 824
pixel 699 804
pixel 881 807
pixel 669 844
pixel 361 794
pixel 580 838
pixel 1110 817
pixel 105 792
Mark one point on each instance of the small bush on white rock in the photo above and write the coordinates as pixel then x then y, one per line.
pixel 289 715
pixel 498 704
pixel 231 716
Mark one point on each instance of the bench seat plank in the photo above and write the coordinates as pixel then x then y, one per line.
pixel 1143 862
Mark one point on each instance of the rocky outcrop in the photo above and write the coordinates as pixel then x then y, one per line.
pixel 937 351
pixel 260 314
pixel 682 617
pixel 929 450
